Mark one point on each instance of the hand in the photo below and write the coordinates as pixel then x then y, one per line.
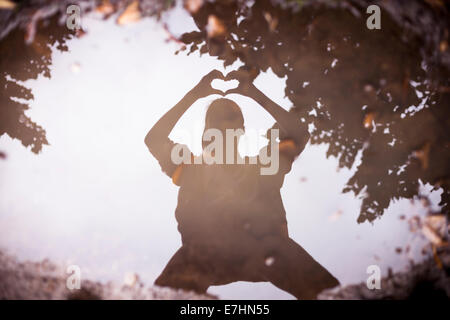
pixel 204 88
pixel 245 78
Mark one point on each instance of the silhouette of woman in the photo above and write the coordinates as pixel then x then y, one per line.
pixel 231 218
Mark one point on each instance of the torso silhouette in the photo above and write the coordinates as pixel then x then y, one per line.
pixel 225 201
pixel 220 204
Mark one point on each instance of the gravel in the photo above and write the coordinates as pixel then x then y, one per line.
pixel 46 281
pixel 424 281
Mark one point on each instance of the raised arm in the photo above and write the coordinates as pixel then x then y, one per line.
pixel 158 136
pixel 292 128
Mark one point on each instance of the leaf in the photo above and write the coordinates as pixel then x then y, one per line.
pixel 215 27
pixel 193 5
pixel 432 235
pixel 106 8
pixel 131 14
pixel 271 21
pixel 335 216
pixel 443 46
pixel 368 121
pixel 423 155
pixel 6 4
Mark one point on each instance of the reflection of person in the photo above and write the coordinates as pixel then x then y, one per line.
pixel 231 218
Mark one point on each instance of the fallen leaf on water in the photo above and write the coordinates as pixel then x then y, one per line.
pixel 443 46
pixel 105 8
pixel 423 155
pixel 80 33
pixel 369 88
pixel 215 27
pixel 131 14
pixel 193 5
pixel 432 235
pixel 6 4
pixel 30 32
pixel 130 279
pixel 271 21
pixel 369 120
pixel 269 261
pixel 437 222
pixel 335 216
pixel 75 67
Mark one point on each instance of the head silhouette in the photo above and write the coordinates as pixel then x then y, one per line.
pixel 223 114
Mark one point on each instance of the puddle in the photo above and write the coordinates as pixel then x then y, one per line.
pixel 79 185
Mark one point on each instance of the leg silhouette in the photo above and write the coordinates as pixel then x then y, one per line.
pixel 295 271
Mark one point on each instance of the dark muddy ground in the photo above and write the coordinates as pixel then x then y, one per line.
pixel 423 281
pixel 45 280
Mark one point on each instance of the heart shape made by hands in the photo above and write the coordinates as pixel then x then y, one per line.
pixel 224 85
